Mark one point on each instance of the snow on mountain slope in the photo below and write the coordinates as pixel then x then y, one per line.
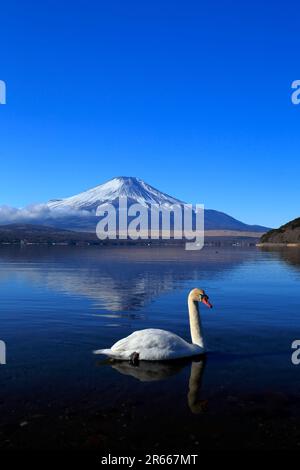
pixel 135 189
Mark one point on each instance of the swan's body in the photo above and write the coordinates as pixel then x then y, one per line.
pixel 160 345
pixel 152 345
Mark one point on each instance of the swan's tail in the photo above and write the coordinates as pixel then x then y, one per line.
pixel 107 352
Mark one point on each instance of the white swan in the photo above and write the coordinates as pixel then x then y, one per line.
pixel 160 345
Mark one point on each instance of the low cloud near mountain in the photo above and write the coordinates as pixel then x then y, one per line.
pixel 35 213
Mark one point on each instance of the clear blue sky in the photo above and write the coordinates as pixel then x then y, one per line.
pixel 191 96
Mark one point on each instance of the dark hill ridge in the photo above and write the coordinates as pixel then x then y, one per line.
pixel 288 233
pixel 16 233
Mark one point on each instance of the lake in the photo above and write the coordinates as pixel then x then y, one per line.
pixel 58 304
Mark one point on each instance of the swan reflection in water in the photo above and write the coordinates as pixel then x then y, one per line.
pixel 147 371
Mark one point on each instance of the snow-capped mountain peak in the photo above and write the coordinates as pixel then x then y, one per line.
pixel 135 189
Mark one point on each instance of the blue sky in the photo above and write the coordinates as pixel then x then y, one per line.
pixel 193 97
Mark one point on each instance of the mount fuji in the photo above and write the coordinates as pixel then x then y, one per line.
pixel 137 191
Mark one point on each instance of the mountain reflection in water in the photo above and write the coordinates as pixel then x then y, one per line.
pixel 115 279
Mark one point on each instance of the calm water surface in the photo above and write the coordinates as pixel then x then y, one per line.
pixel 58 304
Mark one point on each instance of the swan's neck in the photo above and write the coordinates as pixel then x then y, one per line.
pixel 195 323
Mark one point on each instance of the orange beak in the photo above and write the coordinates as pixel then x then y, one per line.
pixel 207 302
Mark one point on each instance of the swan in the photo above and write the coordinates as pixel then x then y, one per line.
pixel 160 345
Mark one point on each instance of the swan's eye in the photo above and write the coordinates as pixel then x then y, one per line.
pixel 203 297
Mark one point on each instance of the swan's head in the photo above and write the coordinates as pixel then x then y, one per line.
pixel 199 295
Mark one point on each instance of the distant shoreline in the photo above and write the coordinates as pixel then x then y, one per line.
pixel 24 235
pixel 269 244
